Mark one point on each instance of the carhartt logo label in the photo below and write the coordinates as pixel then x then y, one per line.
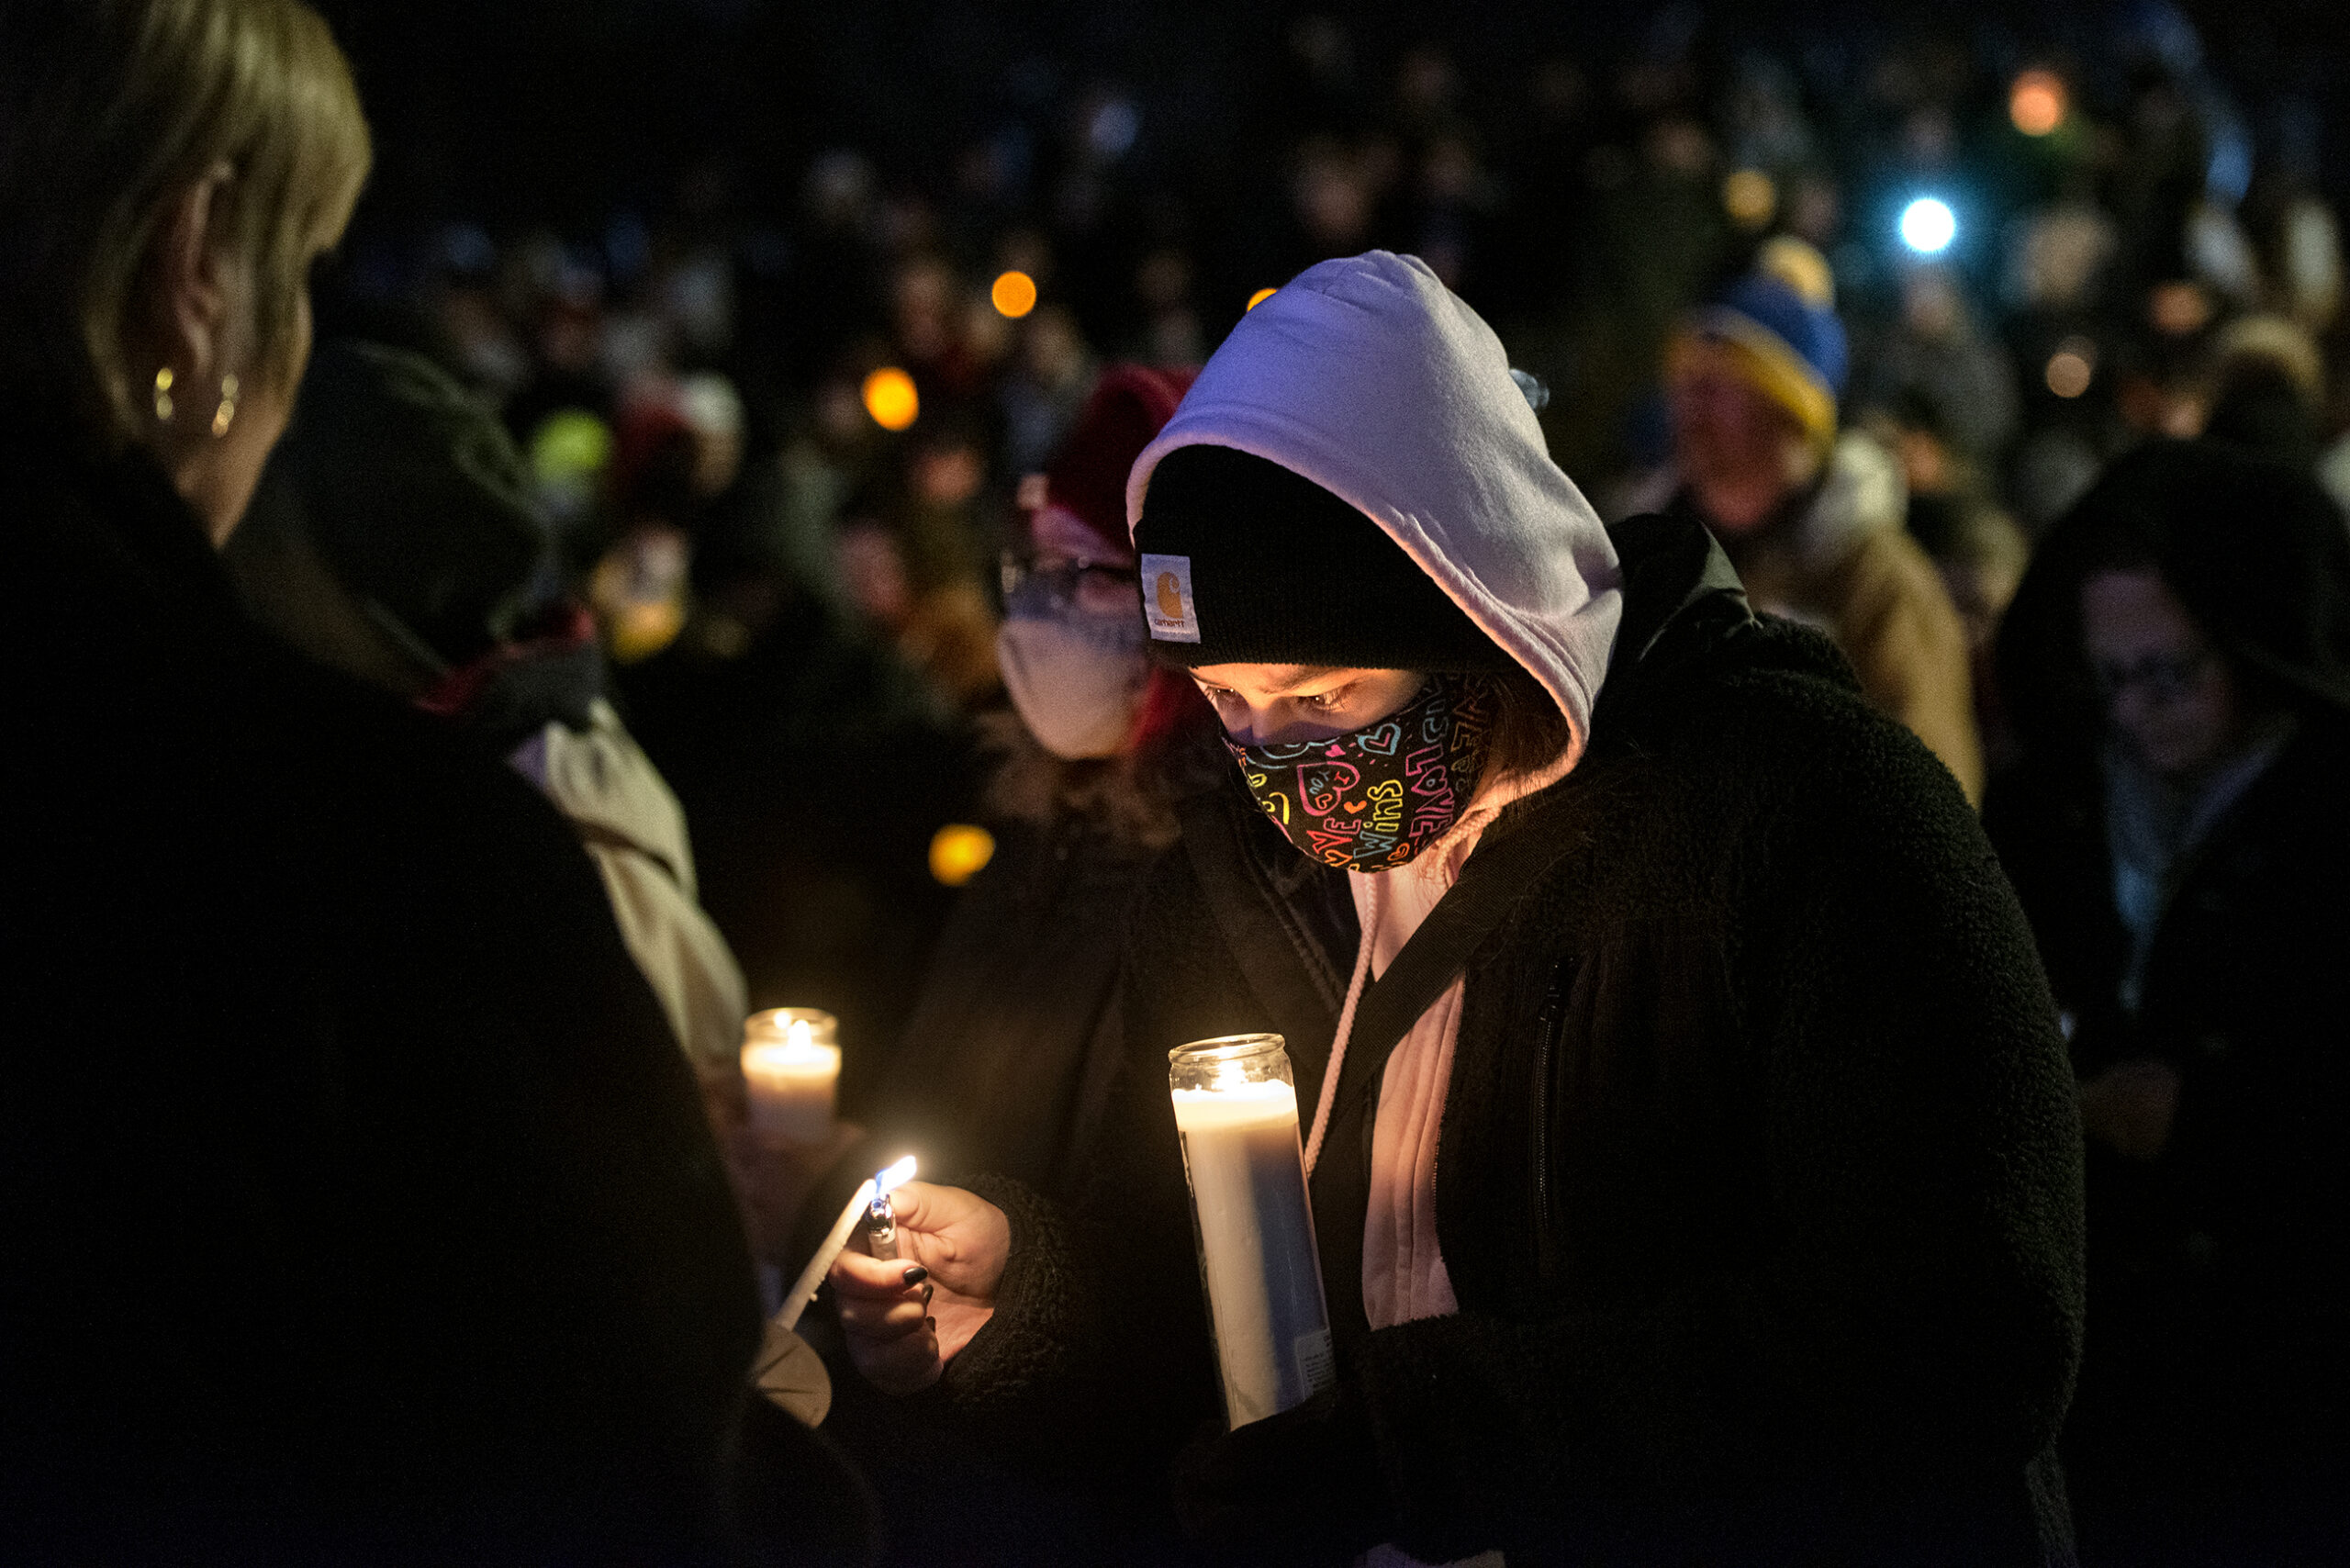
pixel 1168 604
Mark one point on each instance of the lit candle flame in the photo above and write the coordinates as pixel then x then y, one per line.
pixel 803 1290
pixel 799 1036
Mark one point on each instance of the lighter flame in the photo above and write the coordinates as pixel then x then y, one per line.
pixel 896 1174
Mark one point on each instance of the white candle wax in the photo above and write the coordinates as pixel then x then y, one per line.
pixel 812 1278
pixel 1256 1236
pixel 791 1083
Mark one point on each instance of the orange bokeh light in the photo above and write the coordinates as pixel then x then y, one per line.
pixel 890 398
pixel 2036 103
pixel 1013 294
pixel 1260 296
pixel 959 852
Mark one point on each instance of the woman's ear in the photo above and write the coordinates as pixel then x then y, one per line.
pixel 190 287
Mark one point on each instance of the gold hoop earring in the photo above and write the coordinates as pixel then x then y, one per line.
pixel 163 396
pixel 227 408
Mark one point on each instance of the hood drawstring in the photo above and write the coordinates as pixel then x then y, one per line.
pixel 1345 1025
pixel 1492 797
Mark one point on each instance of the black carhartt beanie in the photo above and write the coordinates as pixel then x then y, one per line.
pixel 1266 566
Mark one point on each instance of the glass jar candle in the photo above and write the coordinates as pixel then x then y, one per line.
pixel 792 1071
pixel 1235 1111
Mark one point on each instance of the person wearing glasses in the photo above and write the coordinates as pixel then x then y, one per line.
pixel 1007 1059
pixel 1020 993
pixel 2178 663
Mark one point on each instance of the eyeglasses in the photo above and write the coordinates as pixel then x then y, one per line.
pixel 1100 586
pixel 2165 678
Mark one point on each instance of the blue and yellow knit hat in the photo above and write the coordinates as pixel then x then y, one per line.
pixel 1778 326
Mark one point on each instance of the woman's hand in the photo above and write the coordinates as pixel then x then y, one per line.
pixel 907 1318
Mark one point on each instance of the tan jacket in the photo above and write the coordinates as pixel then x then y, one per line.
pixel 1847 565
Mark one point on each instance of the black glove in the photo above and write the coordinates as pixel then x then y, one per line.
pixel 1302 1486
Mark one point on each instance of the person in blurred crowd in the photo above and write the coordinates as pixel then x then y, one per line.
pixel 357 1204
pixel 1711 1194
pixel 1019 1017
pixel 2266 391
pixel 1812 520
pixel 1019 1026
pixel 1051 376
pixel 1006 1052
pixel 814 766
pixel 393 537
pixel 2178 661
pixel 679 447
pixel 1937 357
pixel 1954 516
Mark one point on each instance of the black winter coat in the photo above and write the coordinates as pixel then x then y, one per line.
pixel 1005 1069
pixel 2221 1347
pixel 356 1204
pixel 1759 1172
pixel 1016 1022
pixel 2217 1370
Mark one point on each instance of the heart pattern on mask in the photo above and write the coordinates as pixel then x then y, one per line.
pixel 1362 801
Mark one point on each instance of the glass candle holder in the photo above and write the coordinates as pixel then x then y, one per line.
pixel 791 1071
pixel 1235 1110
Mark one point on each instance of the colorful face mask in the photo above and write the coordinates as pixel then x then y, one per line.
pixel 1371 800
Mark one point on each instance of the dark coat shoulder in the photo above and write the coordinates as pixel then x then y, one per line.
pixel 358 1192
pixel 1766 1068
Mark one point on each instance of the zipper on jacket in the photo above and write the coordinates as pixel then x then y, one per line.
pixel 1549 1023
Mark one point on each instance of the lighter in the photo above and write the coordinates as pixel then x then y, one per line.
pixel 881 1224
pixel 869 1201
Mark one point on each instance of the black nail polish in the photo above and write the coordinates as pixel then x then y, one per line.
pixel 916 1274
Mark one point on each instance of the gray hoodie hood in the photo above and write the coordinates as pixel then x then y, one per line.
pixel 1371 378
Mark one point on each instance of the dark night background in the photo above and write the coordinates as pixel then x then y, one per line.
pixel 583 206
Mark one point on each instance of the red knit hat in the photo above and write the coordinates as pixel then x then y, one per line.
pixel 1087 477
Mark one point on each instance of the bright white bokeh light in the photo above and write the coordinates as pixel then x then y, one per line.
pixel 1928 225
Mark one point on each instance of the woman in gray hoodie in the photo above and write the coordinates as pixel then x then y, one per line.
pixel 1693 1156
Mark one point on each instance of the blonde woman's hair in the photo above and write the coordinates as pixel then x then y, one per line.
pixel 110 112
